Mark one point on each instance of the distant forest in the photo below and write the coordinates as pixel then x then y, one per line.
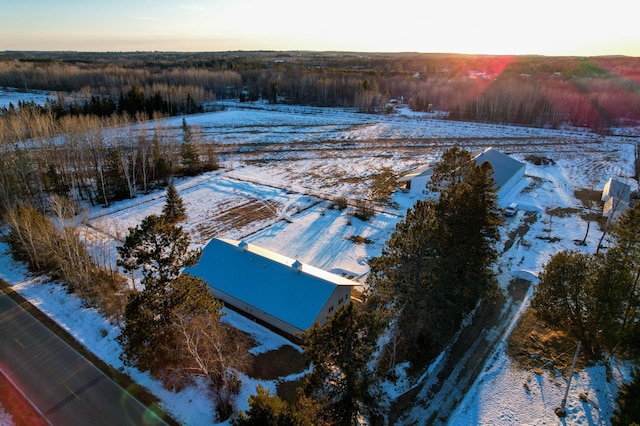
pixel 592 92
pixel 80 145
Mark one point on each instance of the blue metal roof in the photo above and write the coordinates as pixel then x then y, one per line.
pixel 282 287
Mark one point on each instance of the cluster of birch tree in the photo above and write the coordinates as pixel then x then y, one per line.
pixel 92 159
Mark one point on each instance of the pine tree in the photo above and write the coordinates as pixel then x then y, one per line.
pixel 159 248
pixel 468 214
pixel 161 167
pixel 402 278
pixel 454 166
pixel 626 252
pixel 114 186
pixel 172 327
pixel 211 156
pixel 189 155
pixel 628 411
pixel 151 338
pixel 173 210
pixel 268 410
pixel 438 262
pixel 585 296
pixel 339 353
pixel 559 295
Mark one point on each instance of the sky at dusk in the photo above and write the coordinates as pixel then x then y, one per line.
pixel 546 27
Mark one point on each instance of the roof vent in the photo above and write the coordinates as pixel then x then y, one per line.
pixel 297 265
pixel 243 245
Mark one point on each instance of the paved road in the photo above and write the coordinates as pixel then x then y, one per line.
pixel 61 383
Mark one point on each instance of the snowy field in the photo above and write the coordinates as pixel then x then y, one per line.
pixel 281 165
pixel 13 96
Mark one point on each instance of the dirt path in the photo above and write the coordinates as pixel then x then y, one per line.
pixel 433 400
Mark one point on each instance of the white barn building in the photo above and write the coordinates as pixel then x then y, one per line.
pixel 281 292
pixel 507 172
pixel 616 196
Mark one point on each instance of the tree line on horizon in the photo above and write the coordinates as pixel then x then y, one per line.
pixel 595 93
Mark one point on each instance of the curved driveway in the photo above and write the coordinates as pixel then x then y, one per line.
pixel 61 383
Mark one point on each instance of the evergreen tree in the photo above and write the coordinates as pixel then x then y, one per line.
pixel 339 353
pixel 606 290
pixel 133 102
pixel 454 166
pixel 438 262
pixel 151 338
pixel 628 411
pixel 114 186
pixel 160 248
pixel 401 279
pixel 161 166
pixel 559 298
pixel 55 182
pixel 583 295
pixel 172 327
pixel 189 155
pixel 173 210
pixel 626 252
pixel 268 410
pixel 211 162
pixel 469 219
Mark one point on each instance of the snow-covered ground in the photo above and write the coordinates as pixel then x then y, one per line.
pixel 13 96
pixel 301 156
pixel 5 418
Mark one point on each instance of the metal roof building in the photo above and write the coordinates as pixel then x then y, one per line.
pixel 507 172
pixel 279 291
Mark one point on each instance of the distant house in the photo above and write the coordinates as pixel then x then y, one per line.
pixel 616 196
pixel 507 172
pixel 281 292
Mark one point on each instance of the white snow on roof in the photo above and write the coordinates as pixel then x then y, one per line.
pixel 426 170
pixel 504 167
pixel 280 286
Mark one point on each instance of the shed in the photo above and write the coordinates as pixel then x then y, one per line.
pixel 616 196
pixel 281 292
pixel 416 180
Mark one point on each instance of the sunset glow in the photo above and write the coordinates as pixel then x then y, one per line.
pixel 493 27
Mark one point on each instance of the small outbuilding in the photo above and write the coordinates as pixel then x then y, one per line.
pixel 283 293
pixel 416 180
pixel 616 196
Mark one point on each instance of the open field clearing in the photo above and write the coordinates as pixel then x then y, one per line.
pixel 282 168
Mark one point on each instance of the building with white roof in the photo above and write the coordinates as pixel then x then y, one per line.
pixel 616 196
pixel 507 172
